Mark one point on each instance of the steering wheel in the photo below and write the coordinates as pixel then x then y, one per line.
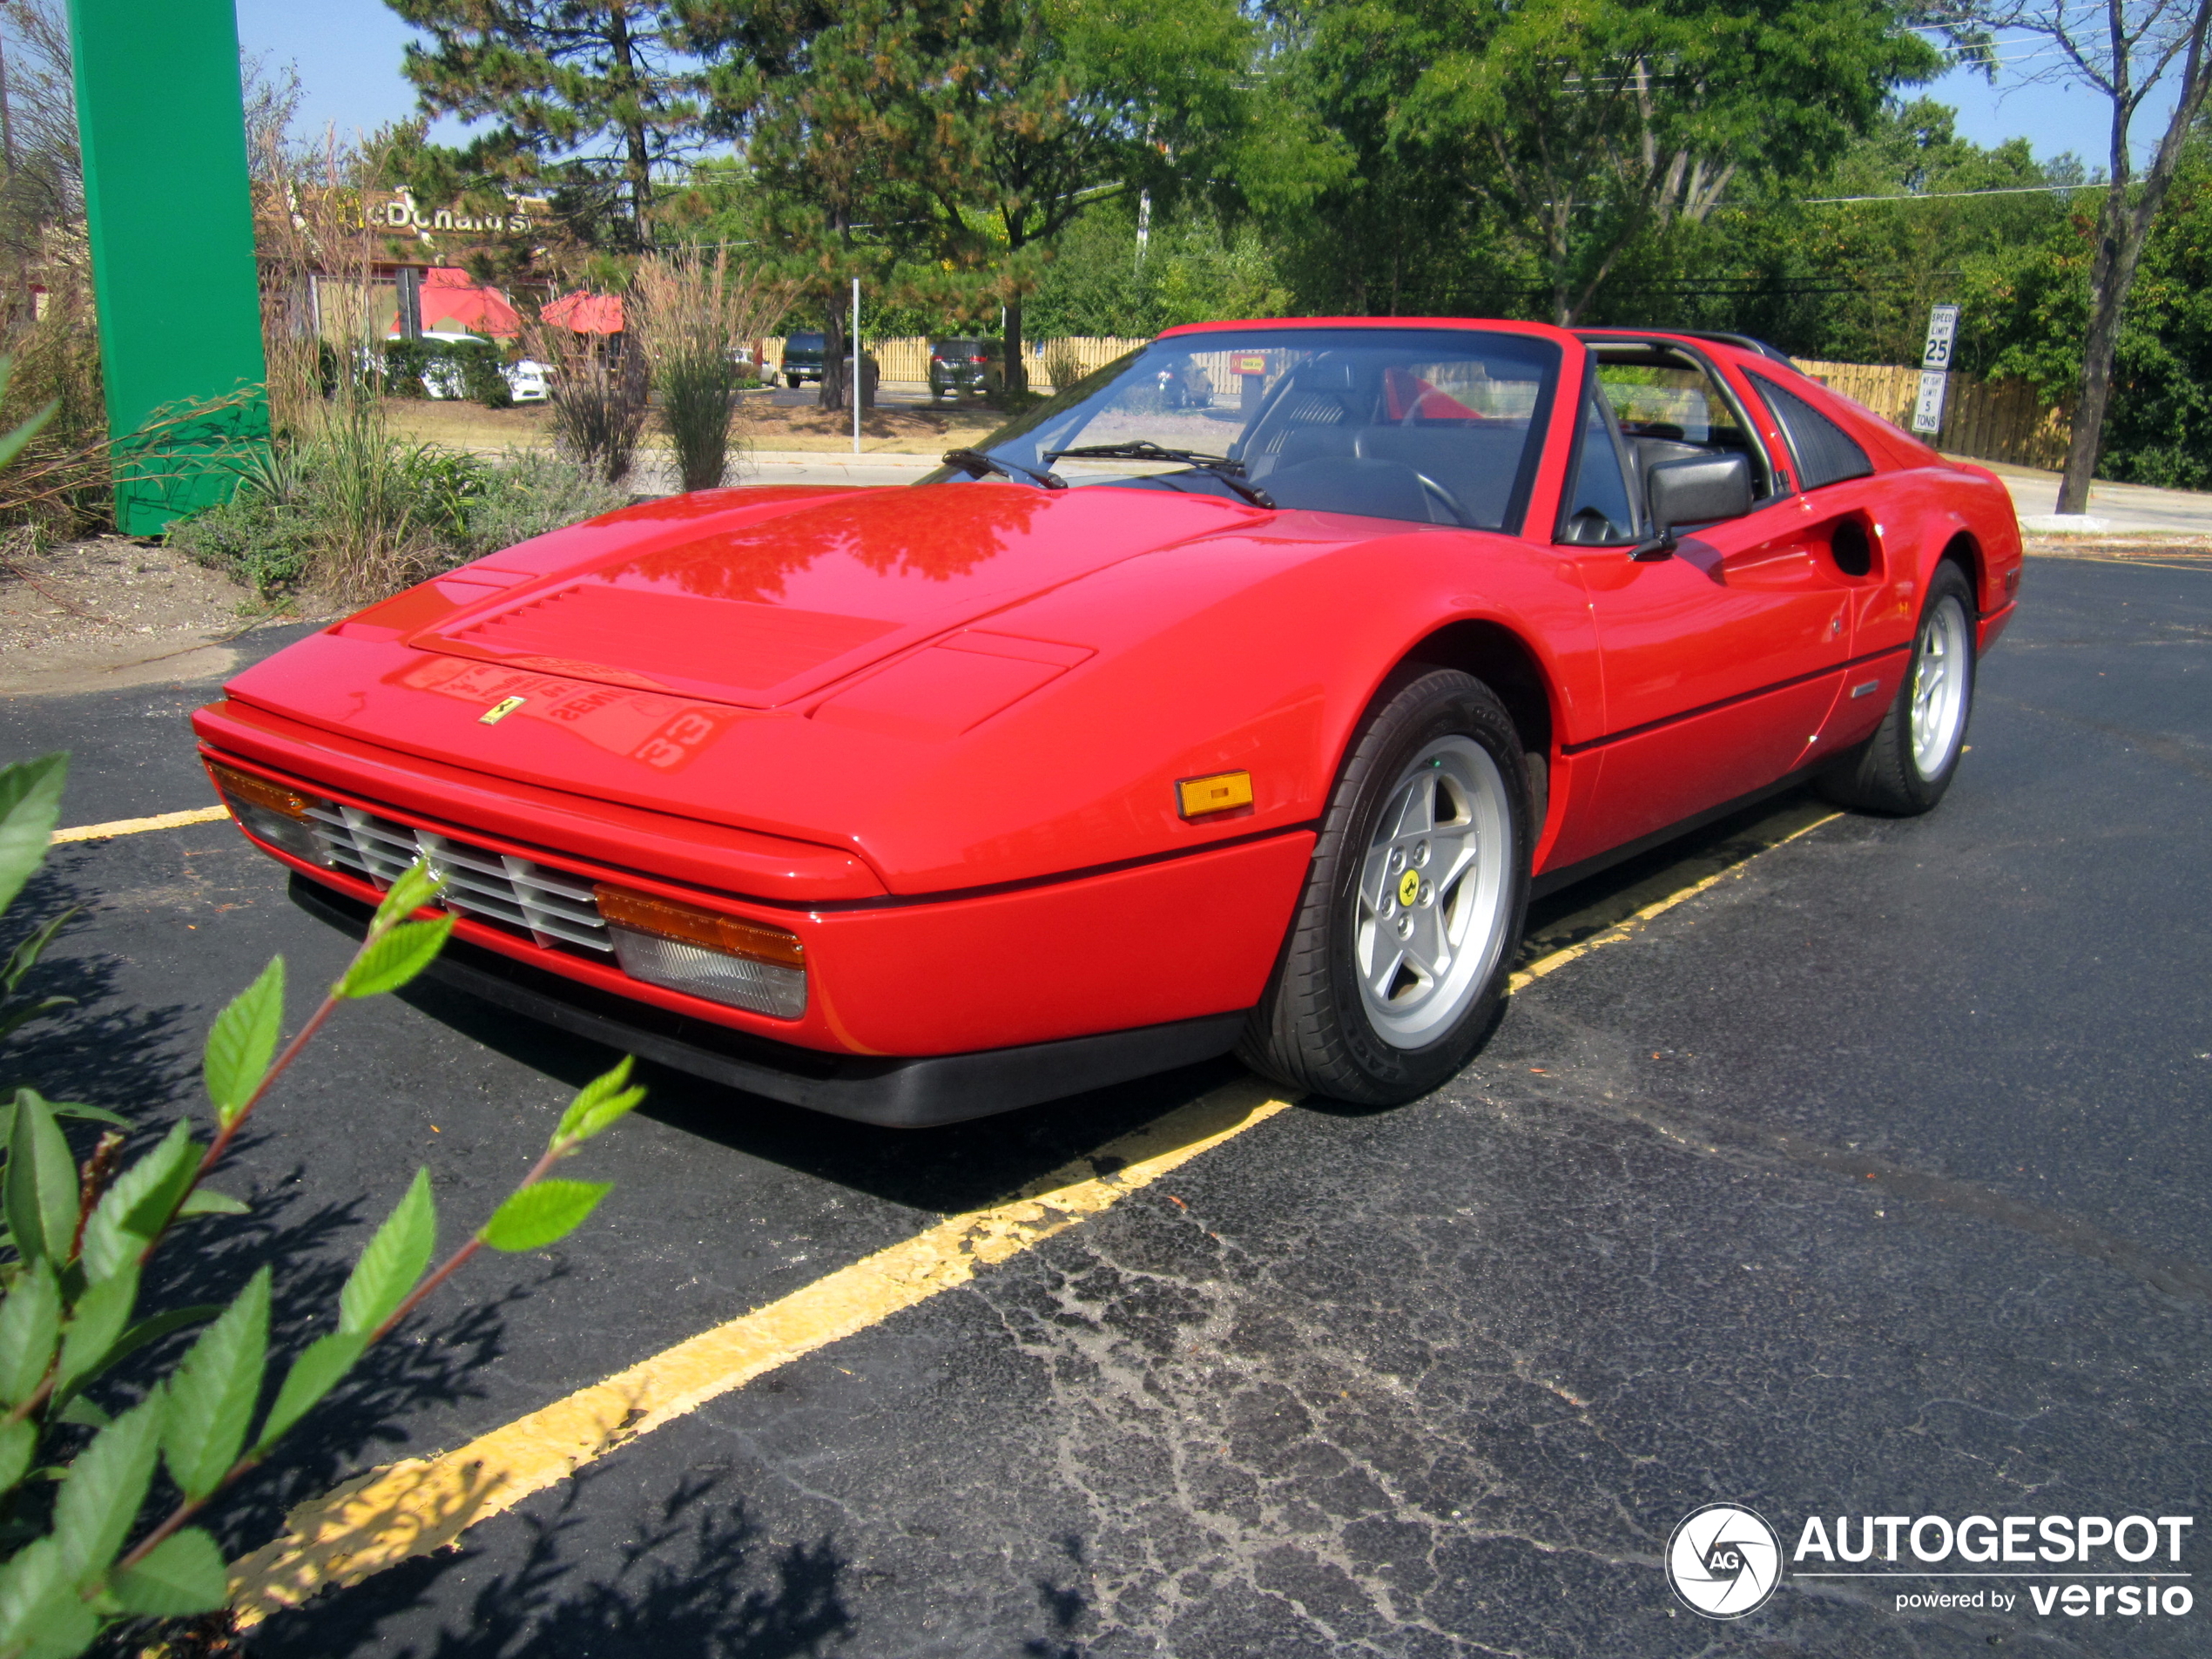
pixel 1440 496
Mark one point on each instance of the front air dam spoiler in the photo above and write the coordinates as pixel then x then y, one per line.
pixel 918 1093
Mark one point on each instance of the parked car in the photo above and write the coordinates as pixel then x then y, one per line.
pixel 1134 735
pixel 526 378
pixel 802 359
pixel 961 368
pixel 1183 386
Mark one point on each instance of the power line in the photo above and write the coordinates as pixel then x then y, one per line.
pixel 1950 195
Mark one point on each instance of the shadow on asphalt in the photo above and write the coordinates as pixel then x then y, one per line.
pixel 694 1576
pixel 957 1166
pixel 963 1165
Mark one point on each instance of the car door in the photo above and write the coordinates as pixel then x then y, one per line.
pixel 1721 662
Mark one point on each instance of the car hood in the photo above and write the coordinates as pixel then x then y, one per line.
pixel 759 615
pixel 632 644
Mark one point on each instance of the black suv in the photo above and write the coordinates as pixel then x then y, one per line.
pixel 961 368
pixel 802 358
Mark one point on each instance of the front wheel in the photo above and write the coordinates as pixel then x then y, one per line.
pixel 1403 940
pixel 1906 765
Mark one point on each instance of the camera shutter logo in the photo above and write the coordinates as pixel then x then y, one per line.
pixel 1724 1561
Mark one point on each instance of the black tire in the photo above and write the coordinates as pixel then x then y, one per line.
pixel 1315 1030
pixel 1886 773
pixel 790 382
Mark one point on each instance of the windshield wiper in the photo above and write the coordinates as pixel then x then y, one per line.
pixel 975 463
pixel 1230 472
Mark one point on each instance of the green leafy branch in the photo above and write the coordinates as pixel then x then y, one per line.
pixel 82 1236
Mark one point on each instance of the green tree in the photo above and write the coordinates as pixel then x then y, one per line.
pixel 961 138
pixel 2124 51
pixel 590 100
pixel 1573 129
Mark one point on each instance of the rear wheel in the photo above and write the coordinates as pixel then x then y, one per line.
pixel 790 382
pixel 1405 936
pixel 1907 765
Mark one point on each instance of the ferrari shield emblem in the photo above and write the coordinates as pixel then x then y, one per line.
pixel 500 709
pixel 1409 886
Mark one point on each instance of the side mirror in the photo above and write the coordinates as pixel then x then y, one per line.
pixel 1702 490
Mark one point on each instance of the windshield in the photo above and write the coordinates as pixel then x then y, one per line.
pixel 1429 425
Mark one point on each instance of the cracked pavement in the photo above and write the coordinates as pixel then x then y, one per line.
pixel 1873 1180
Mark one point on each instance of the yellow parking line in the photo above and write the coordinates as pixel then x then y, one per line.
pixel 139 825
pixel 414 1507
pixel 1628 926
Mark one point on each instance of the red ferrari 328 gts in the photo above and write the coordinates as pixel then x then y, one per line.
pixel 1238 696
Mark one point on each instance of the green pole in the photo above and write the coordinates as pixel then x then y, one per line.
pixel 163 126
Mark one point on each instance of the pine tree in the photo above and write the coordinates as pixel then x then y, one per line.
pixel 591 100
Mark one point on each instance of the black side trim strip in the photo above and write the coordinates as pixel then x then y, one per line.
pixel 1552 881
pixel 1588 743
pixel 894 1092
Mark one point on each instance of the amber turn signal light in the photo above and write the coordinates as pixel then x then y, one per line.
pixel 690 925
pixel 257 792
pixel 1224 792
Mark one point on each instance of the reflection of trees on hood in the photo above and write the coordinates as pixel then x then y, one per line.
pixel 948 533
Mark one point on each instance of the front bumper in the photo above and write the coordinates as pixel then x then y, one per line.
pixel 890 980
pixel 909 1093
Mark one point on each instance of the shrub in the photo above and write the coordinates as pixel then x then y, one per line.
pixel 691 313
pixel 405 361
pixel 528 492
pixel 1062 368
pixel 94 1536
pixel 596 408
pixel 304 517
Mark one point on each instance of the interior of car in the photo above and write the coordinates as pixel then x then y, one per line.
pixel 1648 402
pixel 1386 440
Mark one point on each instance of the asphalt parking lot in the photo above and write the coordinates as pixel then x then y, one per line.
pixel 1873 1178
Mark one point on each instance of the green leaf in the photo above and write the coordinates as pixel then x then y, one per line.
pixel 17 1018
pixel 102 1312
pixel 133 1210
pixel 18 1441
pixel 393 1264
pixel 212 1394
pixel 388 963
pixel 182 1575
pixel 106 1484
pixel 84 1413
pixel 90 1113
pixel 599 1102
pixel 417 886
pixel 153 1329
pixel 25 955
pixel 12 444
pixel 42 1182
pixel 40 1612
pixel 204 1201
pixel 313 1374
pixel 30 1326
pixel 30 803
pixel 538 1215
pixel 243 1041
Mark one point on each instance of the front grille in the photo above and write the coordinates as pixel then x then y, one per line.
pixel 552 906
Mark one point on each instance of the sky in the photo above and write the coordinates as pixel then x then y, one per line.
pixel 348 53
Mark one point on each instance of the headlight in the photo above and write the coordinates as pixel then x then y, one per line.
pixel 269 812
pixel 725 959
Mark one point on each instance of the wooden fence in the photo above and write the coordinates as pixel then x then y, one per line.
pixel 2001 421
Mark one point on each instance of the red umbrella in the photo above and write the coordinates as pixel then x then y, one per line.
pixel 454 304
pixel 586 312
